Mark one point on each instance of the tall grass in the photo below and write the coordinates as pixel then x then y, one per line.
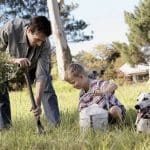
pixel 22 135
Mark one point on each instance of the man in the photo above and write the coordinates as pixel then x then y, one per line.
pixel 27 42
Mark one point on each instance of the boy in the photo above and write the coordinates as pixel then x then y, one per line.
pixel 95 91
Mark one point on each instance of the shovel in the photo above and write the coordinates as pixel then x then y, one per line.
pixel 40 127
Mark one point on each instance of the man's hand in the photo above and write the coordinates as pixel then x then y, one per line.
pixel 37 112
pixel 22 62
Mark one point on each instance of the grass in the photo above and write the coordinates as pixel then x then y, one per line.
pixel 67 137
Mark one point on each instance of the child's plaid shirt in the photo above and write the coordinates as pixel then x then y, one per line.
pixel 105 101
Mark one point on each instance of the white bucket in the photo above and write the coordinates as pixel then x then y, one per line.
pixel 93 117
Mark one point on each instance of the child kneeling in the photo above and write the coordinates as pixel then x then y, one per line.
pixel 95 91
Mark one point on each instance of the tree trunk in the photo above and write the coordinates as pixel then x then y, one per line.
pixel 149 73
pixel 63 54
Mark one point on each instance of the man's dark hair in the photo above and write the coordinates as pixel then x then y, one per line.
pixel 40 24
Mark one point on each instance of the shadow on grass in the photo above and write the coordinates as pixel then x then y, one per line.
pixel 130 117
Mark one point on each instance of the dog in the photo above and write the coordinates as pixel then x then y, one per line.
pixel 143 116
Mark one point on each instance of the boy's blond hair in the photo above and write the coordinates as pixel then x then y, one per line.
pixel 74 70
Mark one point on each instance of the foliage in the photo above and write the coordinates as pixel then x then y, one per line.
pixel 138 36
pixel 107 52
pixel 129 53
pixel 102 60
pixel 139 24
pixel 67 136
pixel 74 28
pixel 110 73
pixel 7 70
pixel 12 73
pixel 90 62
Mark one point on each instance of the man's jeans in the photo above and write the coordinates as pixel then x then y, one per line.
pixel 50 104
pixel 49 101
pixel 5 113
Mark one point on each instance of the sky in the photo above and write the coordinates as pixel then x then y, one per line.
pixel 105 18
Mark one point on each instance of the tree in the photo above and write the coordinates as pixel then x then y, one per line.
pixel 62 50
pixel 138 36
pixel 88 60
pixel 107 52
pixel 146 52
pixel 108 55
pixel 74 29
pixel 129 52
pixel 102 60
pixel 139 24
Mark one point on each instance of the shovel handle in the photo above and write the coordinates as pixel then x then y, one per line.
pixel 27 78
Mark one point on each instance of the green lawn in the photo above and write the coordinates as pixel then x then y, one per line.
pixel 67 137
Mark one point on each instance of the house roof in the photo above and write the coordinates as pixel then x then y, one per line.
pixel 127 69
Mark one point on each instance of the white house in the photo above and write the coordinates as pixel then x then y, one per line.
pixel 136 72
